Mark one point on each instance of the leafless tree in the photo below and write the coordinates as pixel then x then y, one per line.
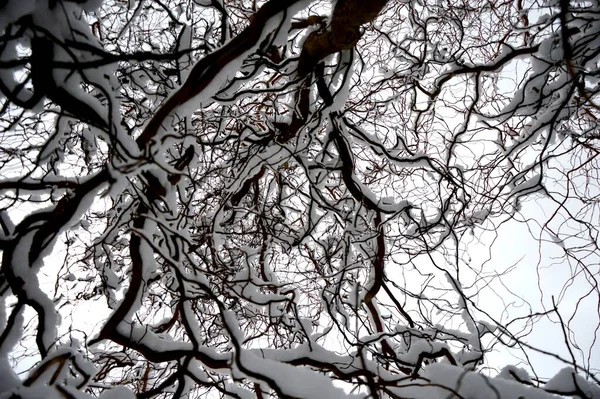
pixel 242 198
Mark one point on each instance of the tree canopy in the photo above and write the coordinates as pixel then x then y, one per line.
pixel 297 199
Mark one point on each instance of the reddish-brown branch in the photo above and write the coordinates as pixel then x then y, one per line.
pixel 243 191
pixel 169 324
pixel 378 263
pixel 348 16
pixel 344 33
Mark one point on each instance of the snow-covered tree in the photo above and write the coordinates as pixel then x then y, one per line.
pixel 298 199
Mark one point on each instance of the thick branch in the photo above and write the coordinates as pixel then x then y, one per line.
pixel 344 33
pixel 209 67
